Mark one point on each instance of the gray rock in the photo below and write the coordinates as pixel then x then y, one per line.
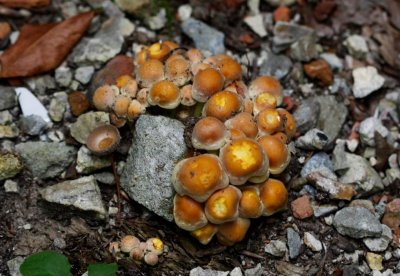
pixel 366 81
pixel 39 85
pixel 276 248
pixel 277 66
pixel 157 21
pixel 355 170
pixel 287 33
pixel 323 210
pixel 131 6
pixel 335 189
pixel 255 271
pixel 32 125
pixel 9 131
pixel 11 186
pixel 158 144
pixel 205 37
pixel 84 74
pixel 185 11
pixel 63 76
pixel 332 116
pixel 87 162
pixel 367 130
pixel 382 243
pixel 357 222
pixel 294 243
pixel 58 106
pixel 312 242
pixel 198 271
pixel 356 46
pixel 14 265
pixel 319 162
pixel 306 115
pixel 82 194
pixel 314 139
pixel 85 123
pixel 8 97
pixel 5 117
pixel 255 22
pixel 10 165
pixel 305 49
pixel 46 160
pixel 333 60
pixel 105 178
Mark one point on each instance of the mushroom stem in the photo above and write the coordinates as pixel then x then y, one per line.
pixel 118 188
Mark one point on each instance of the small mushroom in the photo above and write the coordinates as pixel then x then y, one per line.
pixel 155 245
pixel 266 84
pixel 289 124
pixel 177 70
pixel 136 253
pixel 274 196
pixel 121 81
pixel 206 83
pixel 223 205
pixel 104 97
pixel 121 105
pixel 151 258
pixel 165 94
pixel 223 105
pixel 158 51
pixel 244 122
pixel 277 152
pixel 250 205
pixel 209 133
pixel 188 213
pixel 103 139
pixel 230 68
pixel 205 234
pixel 233 232
pixel 135 108
pixel 128 243
pixel 186 96
pixel 114 247
pixel 263 101
pixel 150 72
pixel 269 121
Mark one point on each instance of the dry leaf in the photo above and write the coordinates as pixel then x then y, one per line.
pixel 41 48
pixel 25 3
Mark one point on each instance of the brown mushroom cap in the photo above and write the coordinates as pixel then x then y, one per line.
pixel 223 205
pixel 188 213
pixel 104 97
pixel 243 122
pixel 289 124
pixel 229 68
pixel 250 205
pixel 244 159
pixel 274 196
pixel 209 133
pixel 150 72
pixel 205 234
pixel 233 232
pixel 206 83
pixel 266 84
pixel 151 258
pixel 164 94
pixel 269 121
pixel 103 139
pixel 177 70
pixel 199 177
pixel 223 105
pixel 277 151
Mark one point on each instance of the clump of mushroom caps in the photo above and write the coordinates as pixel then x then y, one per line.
pixel 240 141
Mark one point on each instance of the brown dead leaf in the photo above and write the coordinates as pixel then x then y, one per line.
pixel 41 48
pixel 26 4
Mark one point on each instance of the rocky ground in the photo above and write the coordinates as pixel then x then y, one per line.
pixel 339 64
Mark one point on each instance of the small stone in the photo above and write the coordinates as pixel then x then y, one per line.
pixel 254 6
pixel 85 123
pixel 366 81
pixel 313 243
pixel 8 98
pixel 306 115
pixel 78 103
pixel 41 84
pixel 58 106
pixel 335 189
pixel 319 162
pixel 320 70
pixel 277 66
pixel 82 194
pixel 10 165
pixel 305 49
pixel 323 210
pixel 294 243
pixel 333 60
pixel 27 226
pixel 5 117
pixel 286 268
pixel 255 22
pixel 126 27
pixel 287 33
pixel 63 76
pixel 84 74
pixel 276 248
pixel 87 162
pixel 301 207
pixel 158 21
pixel 132 6
pixel 9 131
pixel 367 204
pixel 11 186
pixel 392 215
pixel 367 130
pixel 329 220
pixel 184 12
pixel 59 243
pixel 314 139
pixel 32 125
pixel 255 271
pixel 105 178
pixel 374 261
pixel 382 243
pixel 282 13
pixel 14 265
pixel 357 222
pixel 357 46
pixel 198 271
pixel 205 37
pixel 56 136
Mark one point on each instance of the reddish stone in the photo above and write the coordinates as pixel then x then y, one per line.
pixel 78 103
pixel 324 9
pixel 320 70
pixel 392 215
pixel 301 207
pixel 246 38
pixel 282 14
pixel 5 30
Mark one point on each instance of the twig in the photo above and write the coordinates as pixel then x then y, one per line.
pixel 252 254
pixel 118 188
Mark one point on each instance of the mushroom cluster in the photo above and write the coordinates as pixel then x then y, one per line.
pixel 243 136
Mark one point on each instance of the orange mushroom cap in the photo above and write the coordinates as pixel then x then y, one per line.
pixel 135 108
pixel 274 196
pixel 250 205
pixel 205 234
pixel 188 213
pixel 209 133
pixel 177 70
pixel 194 55
pixel 269 121
pixel 266 84
pixel 233 232
pixel 104 97
pixel 158 51
pixel 243 122
pixel 277 151
pixel 121 105
pixel 229 68
pixel 264 101
pixel 164 94
pixel 223 105
pixel 206 83
pixel 289 124
pixel 149 72
pixel 223 205
pixel 123 80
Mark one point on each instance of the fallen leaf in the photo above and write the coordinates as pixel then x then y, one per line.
pixel 41 48
pixel 25 3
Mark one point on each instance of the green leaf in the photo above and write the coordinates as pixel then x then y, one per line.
pixel 103 269
pixel 46 263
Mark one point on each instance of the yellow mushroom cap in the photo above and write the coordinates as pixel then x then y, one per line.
pixel 289 124
pixel 250 205
pixel 206 83
pixel 244 159
pixel 199 177
pixel 223 105
pixel 266 84
pixel 155 245
pixel 188 213
pixel 123 80
pixel 274 196
pixel 104 97
pixel 164 94
pixel 186 96
pixel 243 122
pixel 223 205
pixel 177 70
pixel 158 51
pixel 233 232
pixel 269 121
pixel 263 101
pixel 205 234
pixel 121 105
pixel 149 72
pixel 277 152
pixel 209 133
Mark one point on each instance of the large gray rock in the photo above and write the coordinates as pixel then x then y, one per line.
pixel 357 222
pixel 158 143
pixel 46 160
pixel 82 194
pixel 205 37
pixel 81 129
pixel 8 97
pixel 306 115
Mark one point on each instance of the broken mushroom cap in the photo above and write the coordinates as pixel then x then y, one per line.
pixel 277 152
pixel 121 81
pixel 155 245
pixel 223 205
pixel 289 124
pixel 269 121
pixel 199 177
pixel 244 122
pixel 206 83
pixel 158 51
pixel 121 105
pixel 150 72
pixel 209 133
pixel 238 87
pixel 186 96
pixel 103 140
pixel 142 95
pixel 165 94
pixel 205 234
pixel 172 45
pixel 128 243
pixel 233 232
pixel 188 213
pixel 244 160
pixel 266 84
pixel 117 121
pixel 263 101
pixel 114 247
pixel 250 203
pixel 177 70
pixel 223 105
pixel 230 68
pixel 104 97
pixel 130 89
pixel 274 196
pixel 142 55
pixel 135 109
